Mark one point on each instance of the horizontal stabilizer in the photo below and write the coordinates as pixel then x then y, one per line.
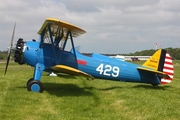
pixel 70 70
pixel 165 76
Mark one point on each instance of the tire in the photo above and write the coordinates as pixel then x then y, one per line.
pixel 29 81
pixel 35 86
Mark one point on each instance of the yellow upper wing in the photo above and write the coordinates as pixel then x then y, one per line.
pixel 70 70
pixel 55 23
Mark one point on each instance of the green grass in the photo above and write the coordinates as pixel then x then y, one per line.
pixel 75 98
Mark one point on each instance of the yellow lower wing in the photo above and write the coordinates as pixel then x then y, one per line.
pixel 70 70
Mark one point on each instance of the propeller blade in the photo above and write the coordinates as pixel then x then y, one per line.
pixel 7 63
pixel 9 50
pixel 12 38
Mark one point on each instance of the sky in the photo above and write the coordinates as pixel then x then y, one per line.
pixel 112 26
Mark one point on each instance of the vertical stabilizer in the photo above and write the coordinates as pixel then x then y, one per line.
pixel 161 61
pixel 153 61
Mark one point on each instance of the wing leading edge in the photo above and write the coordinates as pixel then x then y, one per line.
pixel 70 70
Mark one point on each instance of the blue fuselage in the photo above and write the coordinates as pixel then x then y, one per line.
pixel 104 67
pixel 97 65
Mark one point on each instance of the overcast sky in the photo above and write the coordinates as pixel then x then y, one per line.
pixel 112 26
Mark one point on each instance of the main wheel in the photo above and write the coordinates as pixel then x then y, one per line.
pixel 29 81
pixel 35 86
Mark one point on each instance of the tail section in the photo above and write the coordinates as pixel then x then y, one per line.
pixel 161 61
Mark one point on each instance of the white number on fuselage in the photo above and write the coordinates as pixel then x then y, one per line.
pixel 106 70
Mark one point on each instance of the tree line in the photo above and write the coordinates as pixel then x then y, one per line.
pixel 174 52
pixel 3 55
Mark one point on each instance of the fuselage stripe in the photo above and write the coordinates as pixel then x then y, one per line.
pixel 82 62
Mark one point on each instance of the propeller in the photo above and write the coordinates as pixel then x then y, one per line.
pixel 9 49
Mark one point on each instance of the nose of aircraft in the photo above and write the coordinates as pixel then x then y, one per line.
pixel 18 52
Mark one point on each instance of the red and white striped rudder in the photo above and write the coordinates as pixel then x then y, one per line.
pixel 168 69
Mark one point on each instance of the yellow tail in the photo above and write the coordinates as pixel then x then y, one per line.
pixel 153 61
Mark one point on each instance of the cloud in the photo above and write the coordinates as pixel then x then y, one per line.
pixel 119 26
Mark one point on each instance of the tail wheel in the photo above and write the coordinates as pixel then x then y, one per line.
pixel 34 85
pixel 154 85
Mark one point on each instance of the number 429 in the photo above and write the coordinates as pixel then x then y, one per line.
pixel 108 70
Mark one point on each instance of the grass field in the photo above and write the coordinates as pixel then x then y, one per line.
pixel 75 98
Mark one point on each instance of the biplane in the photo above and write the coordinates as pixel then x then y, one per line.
pixel 51 53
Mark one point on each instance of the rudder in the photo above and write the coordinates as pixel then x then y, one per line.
pixel 168 69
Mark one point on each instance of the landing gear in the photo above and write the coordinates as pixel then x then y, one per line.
pixel 155 85
pixel 34 85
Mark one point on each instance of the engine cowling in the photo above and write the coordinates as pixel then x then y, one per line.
pixel 18 52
